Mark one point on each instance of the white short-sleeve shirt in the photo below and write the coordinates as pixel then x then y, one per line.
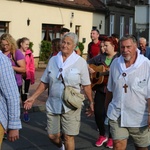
pixel 75 75
pixel 131 106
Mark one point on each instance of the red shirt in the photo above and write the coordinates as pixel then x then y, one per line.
pixel 95 49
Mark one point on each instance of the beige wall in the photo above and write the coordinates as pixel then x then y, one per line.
pixel 18 12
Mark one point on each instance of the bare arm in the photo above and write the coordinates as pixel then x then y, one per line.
pixel 88 92
pixel 40 89
pixel 21 68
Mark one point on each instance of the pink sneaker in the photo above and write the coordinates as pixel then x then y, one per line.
pixel 101 140
pixel 109 143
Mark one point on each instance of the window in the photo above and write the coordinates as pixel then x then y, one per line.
pixel 4 27
pixel 131 25
pixel 50 31
pixel 111 28
pixel 121 26
pixel 77 30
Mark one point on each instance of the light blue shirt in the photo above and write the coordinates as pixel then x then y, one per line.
pixel 9 96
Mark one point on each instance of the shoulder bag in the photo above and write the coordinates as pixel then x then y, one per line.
pixel 71 97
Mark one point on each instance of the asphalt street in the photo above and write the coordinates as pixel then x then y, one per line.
pixel 33 135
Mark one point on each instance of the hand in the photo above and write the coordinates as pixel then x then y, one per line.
pixel 13 135
pixel 92 106
pixel 28 103
pixel 91 70
pixel 90 111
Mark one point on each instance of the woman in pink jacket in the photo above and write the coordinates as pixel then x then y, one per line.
pixel 28 77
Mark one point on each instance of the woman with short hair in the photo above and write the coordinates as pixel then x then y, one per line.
pixel 69 67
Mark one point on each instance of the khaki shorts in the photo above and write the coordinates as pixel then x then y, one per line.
pixel 1 135
pixel 140 135
pixel 67 123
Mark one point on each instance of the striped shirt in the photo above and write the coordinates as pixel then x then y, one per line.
pixel 9 96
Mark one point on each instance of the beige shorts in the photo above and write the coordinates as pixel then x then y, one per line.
pixel 140 135
pixel 67 123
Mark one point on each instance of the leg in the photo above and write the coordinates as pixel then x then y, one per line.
pixel 56 139
pixel 99 117
pixel 1 135
pixel 26 86
pixel 107 134
pixel 141 137
pixel 25 89
pixel 69 142
pixel 70 122
pixel 119 134
pixel 99 111
pixel 120 144
pixel 24 96
pixel 54 129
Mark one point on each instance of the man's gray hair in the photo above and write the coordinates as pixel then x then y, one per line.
pixel 126 37
pixel 73 36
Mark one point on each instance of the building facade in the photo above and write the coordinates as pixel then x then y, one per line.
pixel 120 17
pixel 42 20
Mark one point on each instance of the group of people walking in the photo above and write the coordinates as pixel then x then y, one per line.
pixel 121 102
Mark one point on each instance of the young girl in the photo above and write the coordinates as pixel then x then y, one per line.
pixel 28 77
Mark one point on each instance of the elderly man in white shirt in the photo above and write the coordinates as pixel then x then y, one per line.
pixel 128 96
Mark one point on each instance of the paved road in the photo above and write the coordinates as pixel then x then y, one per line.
pixel 33 136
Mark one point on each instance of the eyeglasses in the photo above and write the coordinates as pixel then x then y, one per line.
pixel 4 45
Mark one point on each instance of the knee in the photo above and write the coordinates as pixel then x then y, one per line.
pixel 53 137
pixel 119 145
pixel 68 137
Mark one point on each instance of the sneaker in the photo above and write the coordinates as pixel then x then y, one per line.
pixel 109 143
pixel 26 117
pixel 101 140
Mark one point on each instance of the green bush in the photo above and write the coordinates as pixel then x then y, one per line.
pixel 81 47
pixel 30 46
pixel 45 51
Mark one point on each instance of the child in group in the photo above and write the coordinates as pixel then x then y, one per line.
pixel 28 77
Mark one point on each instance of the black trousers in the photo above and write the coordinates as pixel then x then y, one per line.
pixel 25 89
pixel 99 111
pixel 100 114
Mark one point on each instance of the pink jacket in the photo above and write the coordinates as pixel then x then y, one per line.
pixel 30 68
